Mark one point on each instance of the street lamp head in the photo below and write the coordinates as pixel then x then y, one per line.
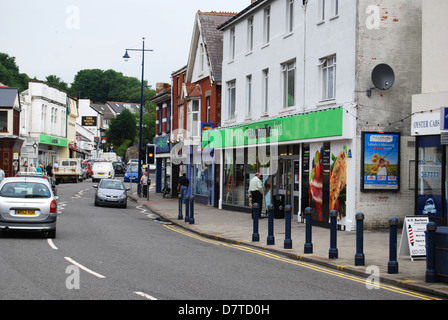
pixel 126 56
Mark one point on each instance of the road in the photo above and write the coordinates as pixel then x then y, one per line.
pixel 105 253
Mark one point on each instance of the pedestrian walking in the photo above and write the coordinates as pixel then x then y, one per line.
pixel 2 174
pixel 49 170
pixel 39 168
pixel 256 192
pixel 144 183
pixel 32 168
pixel 182 187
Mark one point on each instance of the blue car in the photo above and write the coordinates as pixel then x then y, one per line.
pixel 131 173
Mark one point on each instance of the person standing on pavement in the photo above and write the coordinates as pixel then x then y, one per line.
pixel 256 192
pixel 144 183
pixel 182 187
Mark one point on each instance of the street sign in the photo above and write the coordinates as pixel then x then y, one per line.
pixel 413 239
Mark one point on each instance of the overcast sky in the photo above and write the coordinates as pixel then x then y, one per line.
pixel 61 37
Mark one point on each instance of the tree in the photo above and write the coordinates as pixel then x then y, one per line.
pixel 122 128
pixel 10 75
pixel 56 82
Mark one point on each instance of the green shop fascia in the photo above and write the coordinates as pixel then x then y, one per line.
pixel 314 125
pixel 53 141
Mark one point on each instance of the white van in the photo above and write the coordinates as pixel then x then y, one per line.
pixel 102 170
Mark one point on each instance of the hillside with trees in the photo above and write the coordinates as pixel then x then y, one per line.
pixel 99 86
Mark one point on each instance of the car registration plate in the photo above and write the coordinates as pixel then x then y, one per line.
pixel 25 212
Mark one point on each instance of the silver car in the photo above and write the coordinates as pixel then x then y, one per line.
pixel 28 203
pixel 111 192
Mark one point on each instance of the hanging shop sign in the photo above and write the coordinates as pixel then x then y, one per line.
pixel 380 161
pixel 89 121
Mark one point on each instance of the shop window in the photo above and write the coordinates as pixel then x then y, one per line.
pixel 429 177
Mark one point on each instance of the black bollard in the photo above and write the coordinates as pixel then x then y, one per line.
pixel 359 256
pixel 271 238
pixel 308 248
pixel 333 252
pixel 288 240
pixel 255 234
pixel 191 210
pixel 431 252
pixel 392 265
pixel 187 209
pixel 180 216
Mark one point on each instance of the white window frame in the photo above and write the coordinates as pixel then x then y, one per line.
pixel 335 8
pixel 328 78
pixel 289 16
pixel 265 90
pixel 321 11
pixel 194 109
pixel 249 90
pixel 250 34
pixel 202 49
pixel 231 99
pixel 267 24
pixel 288 68
pixel 181 117
pixel 232 44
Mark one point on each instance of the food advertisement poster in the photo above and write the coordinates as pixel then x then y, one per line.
pixel 380 161
pixel 327 181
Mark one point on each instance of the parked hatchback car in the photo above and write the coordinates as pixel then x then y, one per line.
pixel 28 203
pixel 111 192
pixel 102 170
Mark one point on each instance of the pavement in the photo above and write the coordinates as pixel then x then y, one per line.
pixel 237 228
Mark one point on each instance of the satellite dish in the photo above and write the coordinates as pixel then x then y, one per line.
pixel 383 77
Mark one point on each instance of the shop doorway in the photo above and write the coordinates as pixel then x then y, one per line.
pixel 287 183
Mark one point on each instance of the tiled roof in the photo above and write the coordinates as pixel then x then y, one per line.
pixel 212 37
pixel 8 96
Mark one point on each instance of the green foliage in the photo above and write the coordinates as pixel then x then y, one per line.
pixel 56 82
pixel 102 86
pixel 99 86
pixel 10 75
pixel 122 128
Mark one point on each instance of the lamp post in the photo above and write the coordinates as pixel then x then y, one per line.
pixel 126 57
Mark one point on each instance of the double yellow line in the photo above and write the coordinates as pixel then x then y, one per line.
pixel 301 264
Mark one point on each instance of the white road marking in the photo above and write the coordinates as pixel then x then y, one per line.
pixel 50 242
pixel 147 296
pixel 80 266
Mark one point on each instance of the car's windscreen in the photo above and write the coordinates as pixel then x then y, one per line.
pixel 107 184
pixel 28 189
pixel 132 169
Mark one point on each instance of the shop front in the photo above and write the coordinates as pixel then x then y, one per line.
pixel 302 159
pixel 50 148
pixel 431 170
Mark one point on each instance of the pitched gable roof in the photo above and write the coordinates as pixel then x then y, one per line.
pixel 206 25
pixel 9 97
